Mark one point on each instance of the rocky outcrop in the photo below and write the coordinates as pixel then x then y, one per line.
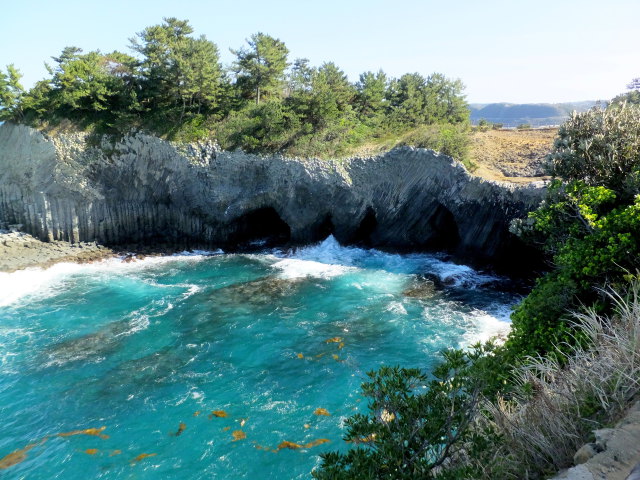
pixel 141 189
pixel 615 454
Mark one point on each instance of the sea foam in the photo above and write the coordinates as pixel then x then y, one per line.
pixel 45 282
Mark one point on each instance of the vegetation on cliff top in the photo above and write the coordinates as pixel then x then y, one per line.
pixel 176 87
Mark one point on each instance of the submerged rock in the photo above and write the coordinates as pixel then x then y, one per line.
pixel 259 292
pixel 424 286
pixel 87 347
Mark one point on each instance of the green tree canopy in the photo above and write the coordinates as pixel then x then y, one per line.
pixel 301 75
pixel 331 95
pixel 415 100
pixel 88 82
pixel 11 93
pixel 181 73
pixel 260 68
pixel 175 86
pixel 444 100
pixel 371 101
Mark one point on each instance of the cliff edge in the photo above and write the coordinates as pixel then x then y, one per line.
pixel 141 189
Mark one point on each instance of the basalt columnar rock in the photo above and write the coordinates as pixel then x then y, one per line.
pixel 141 189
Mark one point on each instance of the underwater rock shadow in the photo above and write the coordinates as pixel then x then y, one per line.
pixel 141 375
pixel 261 291
pixel 88 347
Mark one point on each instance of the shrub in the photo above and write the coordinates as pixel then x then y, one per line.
pixel 450 139
pixel 589 223
pixel 417 428
pixel 600 147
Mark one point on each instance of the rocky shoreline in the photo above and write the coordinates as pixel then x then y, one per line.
pixel 19 250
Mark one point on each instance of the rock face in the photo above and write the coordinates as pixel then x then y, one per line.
pixel 141 189
pixel 613 456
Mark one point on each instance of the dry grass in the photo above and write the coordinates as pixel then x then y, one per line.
pixel 560 405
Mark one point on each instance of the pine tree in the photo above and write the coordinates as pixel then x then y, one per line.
pixel 260 68
pixel 11 94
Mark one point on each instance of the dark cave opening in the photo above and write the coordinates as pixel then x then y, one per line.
pixel 261 227
pixel 323 229
pixel 445 230
pixel 368 224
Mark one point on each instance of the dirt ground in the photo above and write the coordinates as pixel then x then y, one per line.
pixel 511 155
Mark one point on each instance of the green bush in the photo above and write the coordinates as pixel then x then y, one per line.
pixel 416 427
pixel 451 139
pixel 589 224
pixel 600 147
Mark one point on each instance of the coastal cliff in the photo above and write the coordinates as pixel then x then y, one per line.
pixel 141 189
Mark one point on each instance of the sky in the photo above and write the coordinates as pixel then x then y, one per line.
pixel 504 51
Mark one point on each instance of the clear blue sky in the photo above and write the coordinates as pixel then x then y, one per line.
pixel 513 51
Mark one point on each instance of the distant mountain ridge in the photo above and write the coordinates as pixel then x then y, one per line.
pixel 534 114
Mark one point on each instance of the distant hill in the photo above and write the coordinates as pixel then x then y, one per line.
pixel 535 114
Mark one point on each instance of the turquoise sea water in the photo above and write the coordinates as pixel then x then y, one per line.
pixel 150 349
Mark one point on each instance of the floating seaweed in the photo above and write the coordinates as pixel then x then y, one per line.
pixel 218 414
pixel 226 429
pixel 142 456
pixel 115 452
pixel 181 428
pixel 96 432
pixel 196 413
pixel 238 435
pixel 314 443
pixel 18 456
pixel 266 449
pixel 290 445
pixel 285 444
pixel 91 451
pixel 322 411
pixel 334 340
pixel 300 355
pixel 294 446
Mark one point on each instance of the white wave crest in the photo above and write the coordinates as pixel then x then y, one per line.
pixel 330 252
pixel 397 308
pixel 486 326
pixel 21 283
pixel 291 268
pixel 48 281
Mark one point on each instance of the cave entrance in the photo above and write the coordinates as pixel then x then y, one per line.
pixel 261 227
pixel 368 224
pixel 323 229
pixel 442 224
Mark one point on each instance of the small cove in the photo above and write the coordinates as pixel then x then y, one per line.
pixel 201 365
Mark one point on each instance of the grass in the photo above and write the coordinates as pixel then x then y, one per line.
pixel 560 400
